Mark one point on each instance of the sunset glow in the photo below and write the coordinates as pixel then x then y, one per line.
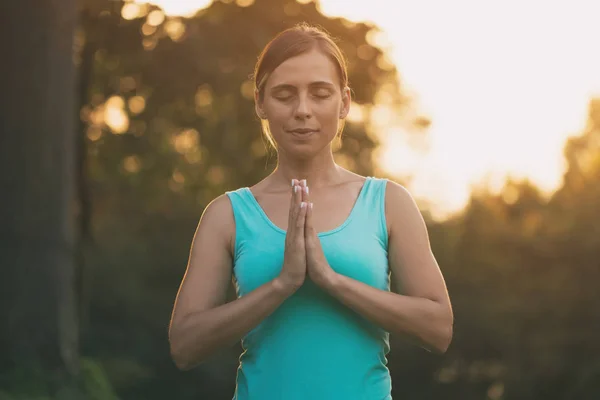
pixel 504 83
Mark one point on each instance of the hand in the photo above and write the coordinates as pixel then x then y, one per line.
pixel 319 270
pixel 293 272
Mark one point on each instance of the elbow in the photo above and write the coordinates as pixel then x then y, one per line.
pixel 444 333
pixel 438 341
pixel 181 354
pixel 437 337
pixel 189 349
pixel 182 360
pixel 180 364
pixel 444 339
pixel 178 355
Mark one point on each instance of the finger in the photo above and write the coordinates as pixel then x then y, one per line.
pixel 295 201
pixel 306 199
pixel 308 223
pixel 303 186
pixel 305 193
pixel 300 220
pixel 291 203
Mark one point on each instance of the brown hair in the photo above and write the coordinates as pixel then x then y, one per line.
pixel 290 43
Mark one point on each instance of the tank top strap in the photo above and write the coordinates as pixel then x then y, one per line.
pixel 243 209
pixel 371 208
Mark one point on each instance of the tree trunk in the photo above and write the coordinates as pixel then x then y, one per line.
pixel 37 158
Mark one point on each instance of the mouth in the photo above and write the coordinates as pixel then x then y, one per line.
pixel 303 131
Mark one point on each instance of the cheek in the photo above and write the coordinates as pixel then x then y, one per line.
pixel 328 113
pixel 279 112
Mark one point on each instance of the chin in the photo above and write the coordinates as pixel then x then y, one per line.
pixel 300 152
pixel 304 151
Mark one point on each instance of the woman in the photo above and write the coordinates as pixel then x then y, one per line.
pixel 314 308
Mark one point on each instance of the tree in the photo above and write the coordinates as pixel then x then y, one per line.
pixel 38 283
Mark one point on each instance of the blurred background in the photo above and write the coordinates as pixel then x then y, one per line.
pixel 120 121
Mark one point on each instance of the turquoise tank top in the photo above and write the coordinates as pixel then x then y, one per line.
pixel 313 346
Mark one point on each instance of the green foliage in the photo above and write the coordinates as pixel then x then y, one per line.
pixel 95 381
pixel 197 134
pixel 36 383
pixel 524 275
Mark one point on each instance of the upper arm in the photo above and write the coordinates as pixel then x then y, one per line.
pixel 414 269
pixel 208 275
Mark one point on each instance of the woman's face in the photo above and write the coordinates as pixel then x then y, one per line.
pixel 303 103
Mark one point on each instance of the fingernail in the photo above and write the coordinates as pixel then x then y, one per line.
pixel 303 204
pixel 311 205
pixel 306 189
pixel 304 182
pixel 295 189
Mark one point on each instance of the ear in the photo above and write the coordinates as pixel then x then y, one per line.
pixel 346 100
pixel 258 106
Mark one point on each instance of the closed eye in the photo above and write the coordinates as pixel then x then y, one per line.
pixel 322 94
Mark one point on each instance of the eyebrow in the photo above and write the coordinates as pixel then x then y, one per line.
pixel 283 86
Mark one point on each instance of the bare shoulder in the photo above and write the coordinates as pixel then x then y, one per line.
pixel 218 218
pixel 401 208
pixel 219 212
pixel 397 193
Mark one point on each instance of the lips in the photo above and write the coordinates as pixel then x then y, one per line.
pixel 303 130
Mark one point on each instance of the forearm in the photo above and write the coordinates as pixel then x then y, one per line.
pixel 200 334
pixel 425 321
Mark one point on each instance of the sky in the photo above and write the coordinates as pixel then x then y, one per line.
pixel 505 83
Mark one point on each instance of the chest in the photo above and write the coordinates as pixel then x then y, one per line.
pixel 331 209
pixel 350 224
pixel 356 251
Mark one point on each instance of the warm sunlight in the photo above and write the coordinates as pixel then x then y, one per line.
pixel 504 83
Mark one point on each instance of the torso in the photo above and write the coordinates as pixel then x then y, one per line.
pixel 323 331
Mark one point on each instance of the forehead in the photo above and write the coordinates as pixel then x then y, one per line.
pixel 303 69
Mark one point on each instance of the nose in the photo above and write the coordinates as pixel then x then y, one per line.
pixel 303 110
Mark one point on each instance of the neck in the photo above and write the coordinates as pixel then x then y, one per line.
pixel 318 171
